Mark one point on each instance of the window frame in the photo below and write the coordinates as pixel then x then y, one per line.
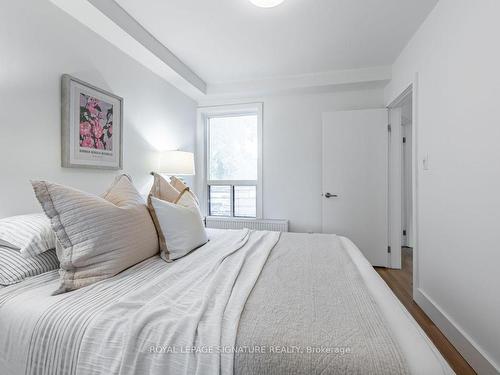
pixel 203 149
pixel 232 199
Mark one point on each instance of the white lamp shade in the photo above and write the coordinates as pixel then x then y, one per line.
pixel 177 163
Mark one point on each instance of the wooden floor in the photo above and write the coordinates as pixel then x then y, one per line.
pixel 401 283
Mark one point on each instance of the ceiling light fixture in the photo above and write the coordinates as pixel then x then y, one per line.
pixel 266 3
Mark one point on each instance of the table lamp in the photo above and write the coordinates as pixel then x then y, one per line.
pixel 176 163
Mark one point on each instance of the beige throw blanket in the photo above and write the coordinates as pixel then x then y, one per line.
pixel 312 314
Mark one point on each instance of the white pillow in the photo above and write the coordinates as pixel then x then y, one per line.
pixel 30 234
pixel 180 225
pixel 98 237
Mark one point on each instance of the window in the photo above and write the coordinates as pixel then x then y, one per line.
pixel 232 149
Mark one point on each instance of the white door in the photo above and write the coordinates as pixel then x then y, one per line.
pixel 355 179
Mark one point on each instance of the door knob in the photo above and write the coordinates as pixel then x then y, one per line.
pixel 328 195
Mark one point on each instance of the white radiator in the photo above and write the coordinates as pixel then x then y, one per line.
pixel 240 223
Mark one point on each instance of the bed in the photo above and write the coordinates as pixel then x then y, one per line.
pixel 247 302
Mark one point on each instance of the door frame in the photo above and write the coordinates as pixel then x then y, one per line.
pixel 406 206
pixel 395 261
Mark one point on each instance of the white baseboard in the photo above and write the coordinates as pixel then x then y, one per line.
pixel 460 340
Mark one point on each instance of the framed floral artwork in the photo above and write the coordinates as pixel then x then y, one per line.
pixel 92 126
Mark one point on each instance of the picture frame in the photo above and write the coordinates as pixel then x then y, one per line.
pixel 91 126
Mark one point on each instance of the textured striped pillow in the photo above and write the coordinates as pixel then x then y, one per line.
pixel 14 268
pixel 31 234
pixel 98 237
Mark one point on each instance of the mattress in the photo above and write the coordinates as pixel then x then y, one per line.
pixel 421 354
pixel 97 329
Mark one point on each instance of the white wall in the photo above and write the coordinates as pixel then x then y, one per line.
pixel 457 56
pixel 292 151
pixel 38 43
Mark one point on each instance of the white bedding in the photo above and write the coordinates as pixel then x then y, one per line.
pixel 111 344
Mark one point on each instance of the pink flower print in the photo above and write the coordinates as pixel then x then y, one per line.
pixel 93 112
pixel 97 130
pixel 85 129
pixel 99 145
pixel 87 142
pixel 91 107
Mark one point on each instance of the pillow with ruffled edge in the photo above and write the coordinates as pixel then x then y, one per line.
pixel 181 186
pixel 98 237
pixel 179 225
pixel 163 190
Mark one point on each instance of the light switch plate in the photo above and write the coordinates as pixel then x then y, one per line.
pixel 425 162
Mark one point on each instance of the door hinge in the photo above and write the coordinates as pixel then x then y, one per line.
pixel 389 249
pixel 404 139
pixel 404 232
pixel 389 128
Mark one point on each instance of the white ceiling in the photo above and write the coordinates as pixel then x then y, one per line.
pixel 232 40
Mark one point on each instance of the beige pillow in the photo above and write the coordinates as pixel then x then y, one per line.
pixel 178 184
pixel 163 190
pixel 181 186
pixel 98 237
pixel 180 225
